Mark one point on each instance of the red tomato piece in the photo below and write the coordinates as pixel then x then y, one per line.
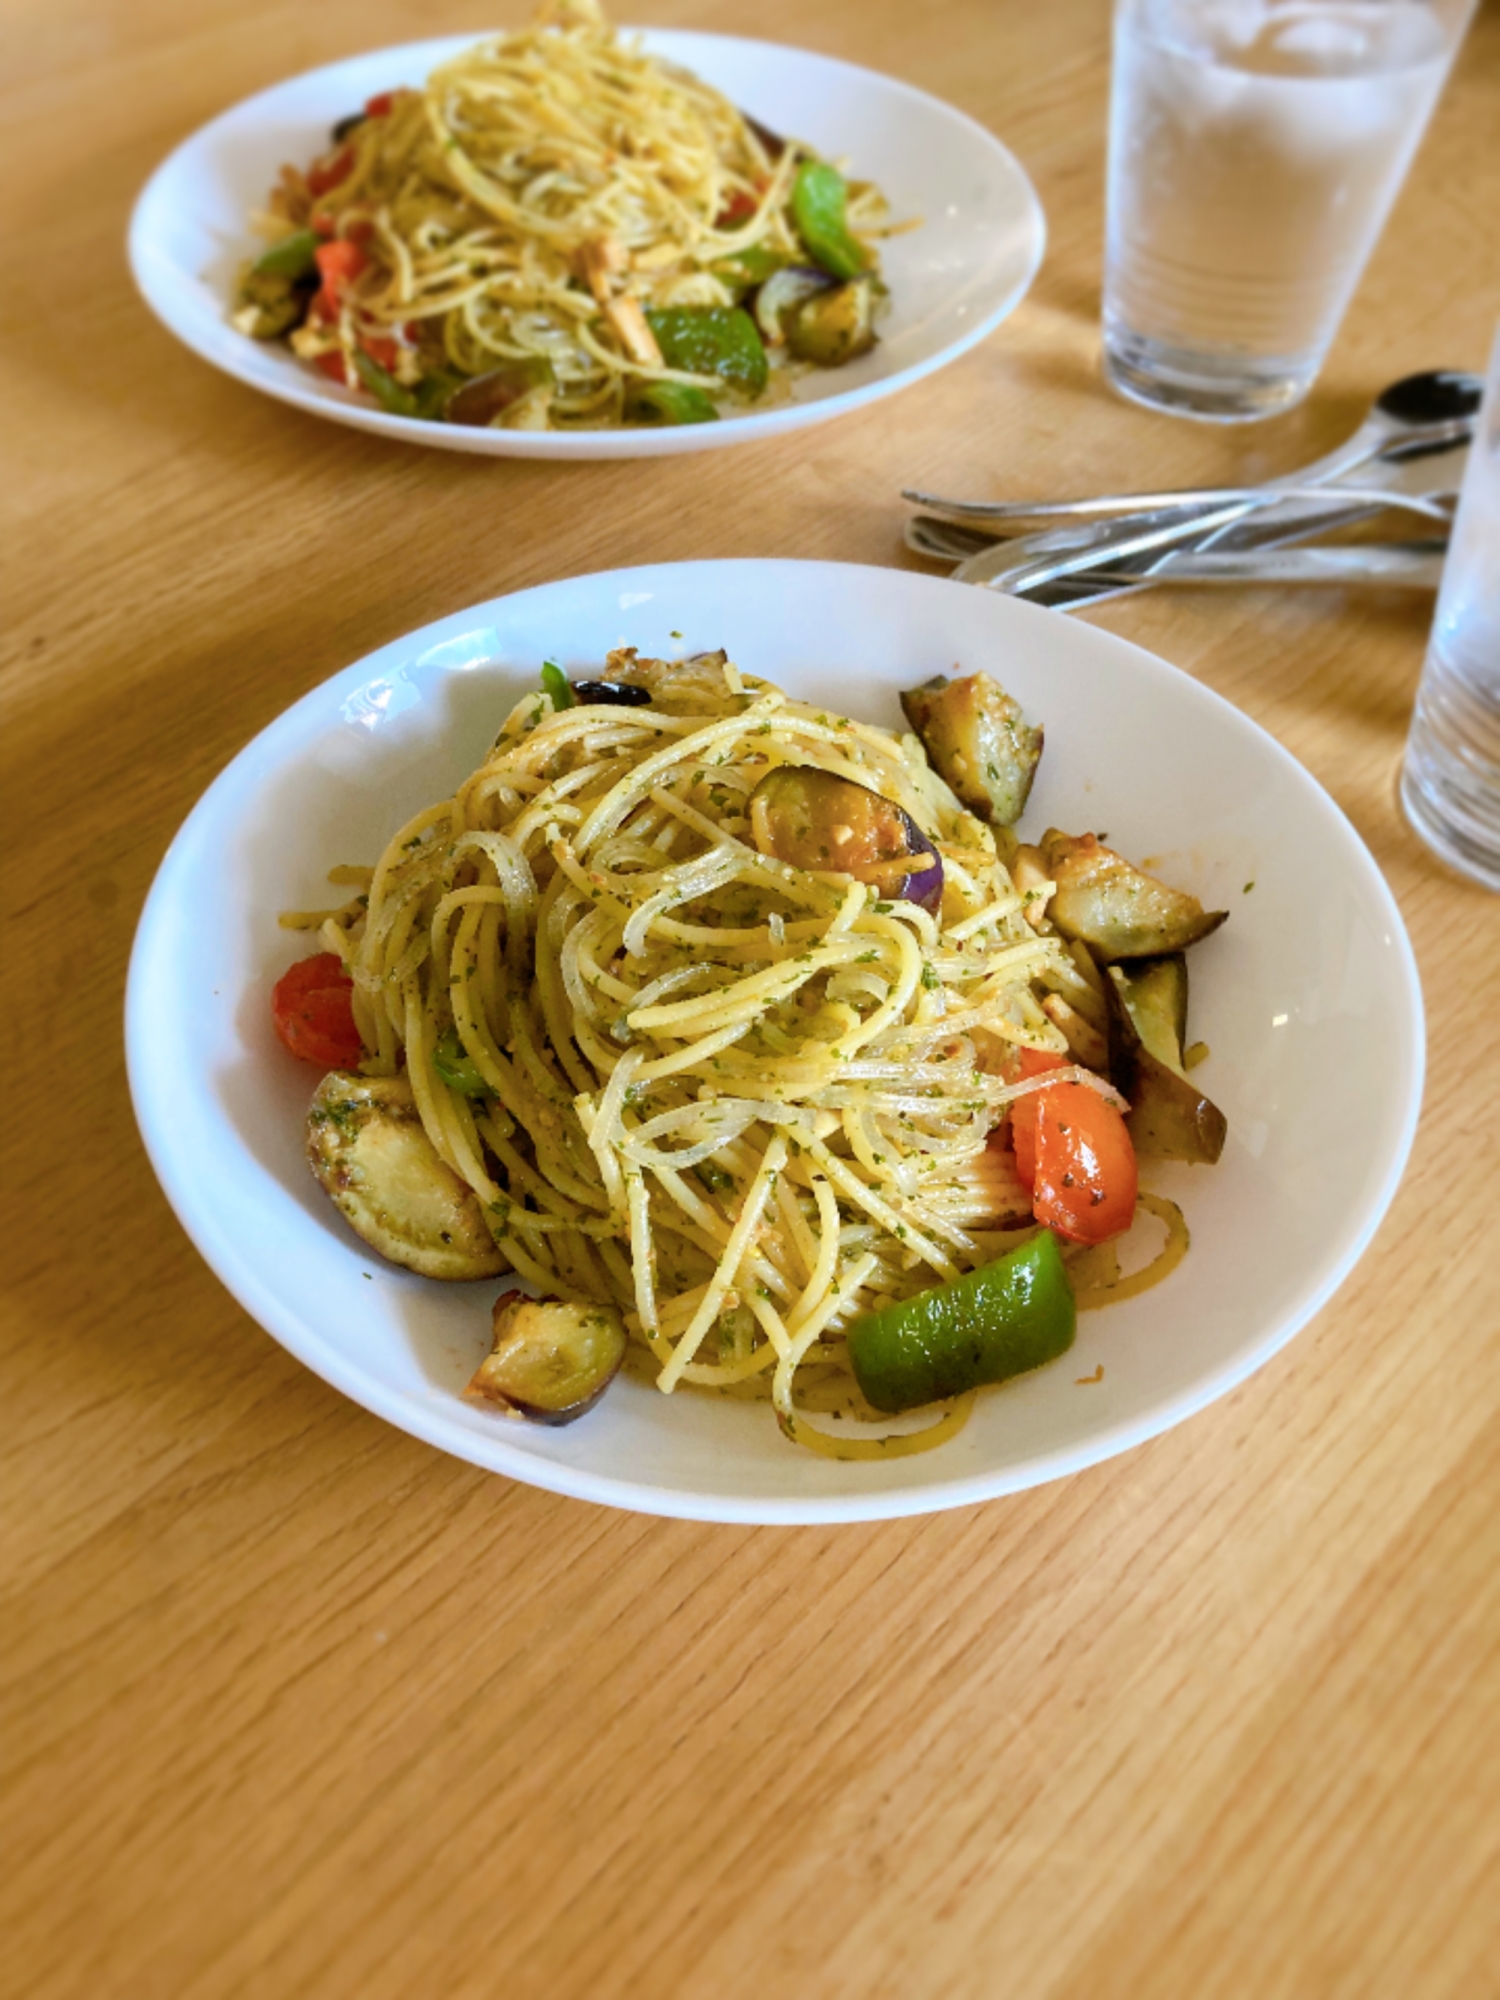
pixel 334 366
pixel 1085 1182
pixel 328 172
pixel 739 208
pixel 379 106
pixel 312 1009
pixel 339 262
pixel 1073 1154
pixel 378 349
pixel 1023 1113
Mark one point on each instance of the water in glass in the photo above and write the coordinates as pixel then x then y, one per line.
pixel 1256 148
pixel 1451 782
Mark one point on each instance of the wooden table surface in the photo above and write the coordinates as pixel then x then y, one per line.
pixel 292 1704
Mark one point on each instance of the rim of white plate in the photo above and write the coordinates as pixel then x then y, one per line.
pixel 172 292
pixel 186 1192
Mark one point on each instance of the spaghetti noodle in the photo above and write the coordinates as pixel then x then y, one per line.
pixel 545 210
pixel 744 1102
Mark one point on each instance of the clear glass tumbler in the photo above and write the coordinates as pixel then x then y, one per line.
pixel 1450 785
pixel 1255 150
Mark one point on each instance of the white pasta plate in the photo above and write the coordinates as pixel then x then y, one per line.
pixel 1307 997
pixel 952 280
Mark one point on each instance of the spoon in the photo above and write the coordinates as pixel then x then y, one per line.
pixel 954 541
pixel 1417 414
pixel 1430 402
pixel 1414 565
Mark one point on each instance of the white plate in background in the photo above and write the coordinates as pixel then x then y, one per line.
pixel 1308 998
pixel 952 281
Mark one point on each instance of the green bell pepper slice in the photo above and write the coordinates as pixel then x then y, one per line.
pixel 383 386
pixel 1001 1320
pixel 456 1067
pixel 749 267
pixel 295 256
pixel 556 683
pixel 434 392
pixel 673 403
pixel 712 340
pixel 820 196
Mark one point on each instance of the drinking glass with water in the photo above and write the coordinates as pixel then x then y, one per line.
pixel 1256 148
pixel 1450 786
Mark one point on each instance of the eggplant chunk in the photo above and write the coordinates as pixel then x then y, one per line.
pixel 784 293
pixel 1095 1005
pixel 550 1361
pixel 1169 1118
pixel 485 398
pixel 830 328
pixel 269 304
pixel 979 741
pixel 370 1155
pixel 1118 910
pixel 679 687
pixel 1086 1044
pixel 1155 994
pixel 817 820
pixel 612 694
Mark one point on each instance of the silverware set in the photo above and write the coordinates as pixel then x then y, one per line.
pixel 1406 460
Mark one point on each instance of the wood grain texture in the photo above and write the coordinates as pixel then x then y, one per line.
pixel 294 1706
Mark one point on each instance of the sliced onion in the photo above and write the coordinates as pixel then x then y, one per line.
pixel 783 292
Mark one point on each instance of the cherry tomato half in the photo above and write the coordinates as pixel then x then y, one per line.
pixel 1023 1113
pixel 312 1009
pixel 1074 1154
pixel 1085 1182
